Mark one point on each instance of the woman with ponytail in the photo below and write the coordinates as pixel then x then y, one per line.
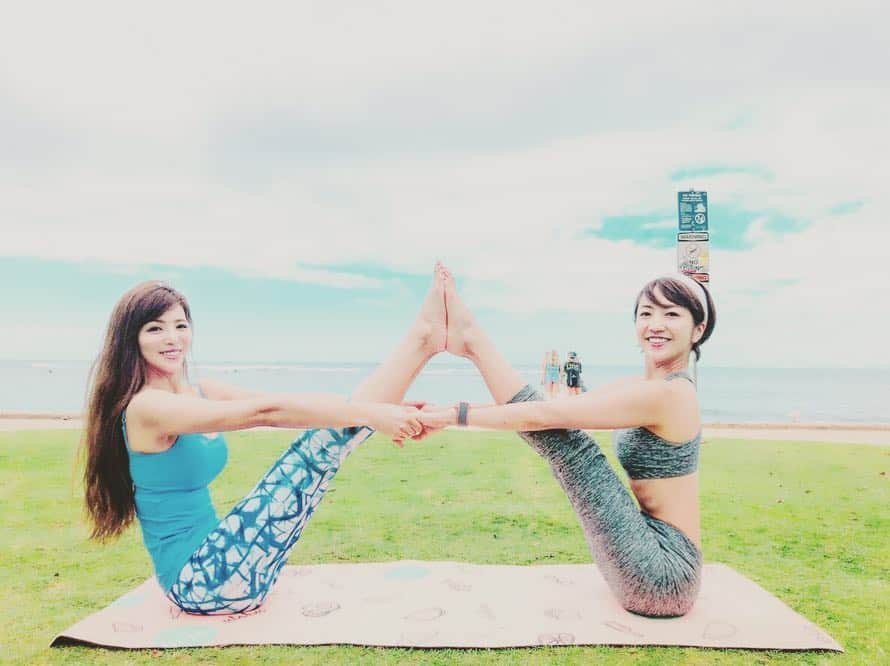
pixel 650 556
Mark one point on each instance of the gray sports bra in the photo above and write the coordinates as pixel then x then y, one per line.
pixel 645 455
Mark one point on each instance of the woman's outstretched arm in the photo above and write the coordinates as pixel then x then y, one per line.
pixel 620 405
pixel 168 414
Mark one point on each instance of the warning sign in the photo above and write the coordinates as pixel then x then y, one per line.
pixel 693 254
pixel 692 210
pixel 693 236
pixel 694 257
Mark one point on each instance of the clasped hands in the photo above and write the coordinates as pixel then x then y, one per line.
pixel 413 420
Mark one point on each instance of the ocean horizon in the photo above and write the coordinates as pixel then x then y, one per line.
pixel 737 395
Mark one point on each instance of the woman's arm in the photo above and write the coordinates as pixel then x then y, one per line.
pixel 215 390
pixel 170 414
pixel 622 404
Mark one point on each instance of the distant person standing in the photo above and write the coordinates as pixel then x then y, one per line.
pixel 572 370
pixel 551 374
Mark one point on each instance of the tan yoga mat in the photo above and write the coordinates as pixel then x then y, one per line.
pixel 455 605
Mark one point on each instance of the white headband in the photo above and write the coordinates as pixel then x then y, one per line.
pixel 695 287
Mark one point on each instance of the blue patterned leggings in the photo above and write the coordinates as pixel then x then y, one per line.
pixel 237 564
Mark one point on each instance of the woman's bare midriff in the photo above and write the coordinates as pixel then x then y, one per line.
pixel 673 500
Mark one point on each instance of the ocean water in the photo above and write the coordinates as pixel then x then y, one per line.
pixel 739 395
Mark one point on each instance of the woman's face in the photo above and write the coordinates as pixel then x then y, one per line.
pixel 165 342
pixel 664 333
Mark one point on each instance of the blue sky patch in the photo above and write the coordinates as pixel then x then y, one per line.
pixel 34 284
pixel 740 121
pixel 727 224
pixel 687 173
pixel 846 207
pixel 635 229
pixel 779 224
pixel 236 316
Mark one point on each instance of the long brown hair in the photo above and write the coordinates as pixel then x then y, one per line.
pixel 117 375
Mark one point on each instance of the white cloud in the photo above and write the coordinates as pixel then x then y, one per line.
pixel 292 142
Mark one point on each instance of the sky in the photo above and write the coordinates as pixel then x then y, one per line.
pixel 297 168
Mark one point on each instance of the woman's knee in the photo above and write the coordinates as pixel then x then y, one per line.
pixel 663 594
pixel 526 394
pixel 216 606
pixel 662 608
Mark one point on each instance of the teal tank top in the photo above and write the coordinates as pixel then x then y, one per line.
pixel 173 499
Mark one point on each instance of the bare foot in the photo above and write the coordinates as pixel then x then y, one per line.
pixel 430 325
pixel 462 327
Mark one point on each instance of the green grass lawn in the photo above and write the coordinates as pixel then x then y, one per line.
pixel 807 521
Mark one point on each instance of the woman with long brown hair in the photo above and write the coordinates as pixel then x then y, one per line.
pixel 153 445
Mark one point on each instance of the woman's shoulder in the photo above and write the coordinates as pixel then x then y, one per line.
pixel 216 390
pixel 629 381
pixel 682 419
pixel 667 396
pixel 140 406
pixel 141 399
pixel 670 387
pixel 680 385
pixel 149 399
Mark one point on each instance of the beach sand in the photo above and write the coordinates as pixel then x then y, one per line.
pixel 877 434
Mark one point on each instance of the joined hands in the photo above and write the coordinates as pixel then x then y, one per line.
pixel 415 420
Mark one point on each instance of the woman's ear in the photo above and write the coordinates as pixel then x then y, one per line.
pixel 698 332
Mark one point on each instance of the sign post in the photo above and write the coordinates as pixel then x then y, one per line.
pixel 693 239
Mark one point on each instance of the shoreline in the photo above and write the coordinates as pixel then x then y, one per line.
pixel 877 434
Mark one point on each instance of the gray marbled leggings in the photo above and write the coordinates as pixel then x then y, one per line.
pixel 651 566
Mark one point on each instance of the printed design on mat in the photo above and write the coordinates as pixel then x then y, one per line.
pixel 425 614
pixel 816 633
pixel 406 572
pixel 559 580
pixel 623 628
pixel 298 572
pixel 718 630
pixel 185 636
pixel 126 628
pixel 237 564
pixel 320 608
pixel 457 586
pixel 485 611
pixel 556 639
pixel 563 614
pixel 421 638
